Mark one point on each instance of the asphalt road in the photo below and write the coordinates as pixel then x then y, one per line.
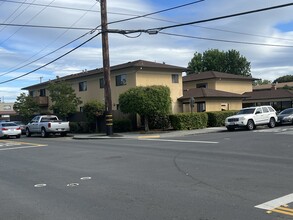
pixel 216 176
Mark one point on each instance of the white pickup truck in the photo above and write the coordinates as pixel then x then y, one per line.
pixel 45 125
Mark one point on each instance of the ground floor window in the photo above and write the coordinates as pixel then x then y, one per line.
pixel 201 106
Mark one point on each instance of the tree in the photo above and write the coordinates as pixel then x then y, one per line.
pixel 64 99
pixel 146 101
pixel 286 78
pixel 92 109
pixel 26 107
pixel 221 61
pixel 262 82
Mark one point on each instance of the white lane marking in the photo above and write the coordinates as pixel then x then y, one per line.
pixel 86 178
pixel 276 202
pixel 24 147
pixel 72 184
pixel 40 185
pixel 180 141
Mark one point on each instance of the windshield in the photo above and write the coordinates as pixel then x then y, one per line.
pixel 286 111
pixel 246 111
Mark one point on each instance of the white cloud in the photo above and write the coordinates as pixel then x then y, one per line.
pixel 267 62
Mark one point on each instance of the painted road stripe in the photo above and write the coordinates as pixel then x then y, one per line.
pixel 273 204
pixel 282 210
pixel 149 137
pixel 181 141
pixel 23 147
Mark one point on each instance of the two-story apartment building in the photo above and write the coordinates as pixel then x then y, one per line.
pixel 214 91
pixel 89 85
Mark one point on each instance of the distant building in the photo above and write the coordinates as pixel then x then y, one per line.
pixel 6 110
pixel 214 91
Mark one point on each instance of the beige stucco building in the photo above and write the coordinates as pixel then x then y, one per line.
pixel 89 85
pixel 214 91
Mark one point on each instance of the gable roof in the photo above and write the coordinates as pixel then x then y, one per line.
pixel 207 93
pixel 214 75
pixel 268 94
pixel 138 64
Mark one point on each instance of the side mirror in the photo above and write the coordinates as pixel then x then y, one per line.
pixel 258 112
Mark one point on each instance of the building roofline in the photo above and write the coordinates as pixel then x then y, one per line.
pixel 138 64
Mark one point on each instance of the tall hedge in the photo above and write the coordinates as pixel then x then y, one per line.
pixel 188 121
pixel 217 119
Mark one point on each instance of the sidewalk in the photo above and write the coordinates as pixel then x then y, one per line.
pixel 151 134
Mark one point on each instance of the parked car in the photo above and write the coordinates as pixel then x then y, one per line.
pixel 21 125
pixel 9 129
pixel 252 117
pixel 285 116
pixel 47 124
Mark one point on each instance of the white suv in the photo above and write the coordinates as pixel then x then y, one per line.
pixel 251 117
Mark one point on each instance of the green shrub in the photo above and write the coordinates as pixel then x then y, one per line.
pixel 159 122
pixel 217 119
pixel 122 125
pixel 187 121
pixel 81 127
pixel 74 128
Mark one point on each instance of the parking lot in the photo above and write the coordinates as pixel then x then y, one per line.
pixel 221 175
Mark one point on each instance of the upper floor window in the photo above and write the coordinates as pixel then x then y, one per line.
pixel 102 83
pixel 31 93
pixel 202 85
pixel 175 78
pixel 83 86
pixel 121 80
pixel 42 92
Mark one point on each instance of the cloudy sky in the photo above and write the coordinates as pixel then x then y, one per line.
pixel 265 38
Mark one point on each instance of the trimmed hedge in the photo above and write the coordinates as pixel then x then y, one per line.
pixel 188 121
pixel 217 119
pixel 122 125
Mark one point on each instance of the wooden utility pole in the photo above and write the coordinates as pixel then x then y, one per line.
pixel 106 67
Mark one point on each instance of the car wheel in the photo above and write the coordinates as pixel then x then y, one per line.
pixel 272 123
pixel 44 133
pixel 27 132
pixel 250 125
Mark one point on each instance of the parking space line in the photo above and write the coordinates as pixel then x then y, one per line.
pixel 23 147
pixel 180 141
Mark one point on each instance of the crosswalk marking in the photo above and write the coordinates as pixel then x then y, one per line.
pixel 15 145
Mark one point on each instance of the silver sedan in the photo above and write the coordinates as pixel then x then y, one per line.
pixel 9 129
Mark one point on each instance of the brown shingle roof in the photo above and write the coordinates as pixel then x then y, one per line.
pixel 268 94
pixel 214 75
pixel 208 93
pixel 138 64
pixel 269 86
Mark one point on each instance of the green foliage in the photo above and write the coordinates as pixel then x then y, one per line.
pixel 146 101
pixel 221 61
pixel 64 99
pixel 81 127
pixel 160 122
pixel 122 125
pixel 26 107
pixel 217 119
pixel 92 109
pixel 262 82
pixel 287 78
pixel 188 121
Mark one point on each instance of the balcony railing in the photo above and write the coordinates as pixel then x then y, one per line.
pixel 41 100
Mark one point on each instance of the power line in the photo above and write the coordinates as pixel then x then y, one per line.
pixel 153 30
pixel 15 69
pixel 226 41
pixel 168 9
pixel 63 55
pixel 157 12
pixel 27 22
pixel 44 26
